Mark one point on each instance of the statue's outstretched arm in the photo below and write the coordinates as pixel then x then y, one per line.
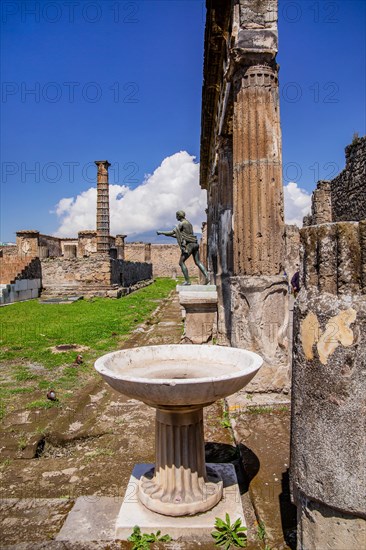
pixel 166 233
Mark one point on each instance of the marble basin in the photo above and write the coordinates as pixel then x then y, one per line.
pixel 179 380
pixel 178 375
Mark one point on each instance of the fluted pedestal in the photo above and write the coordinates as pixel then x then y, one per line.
pixel 180 484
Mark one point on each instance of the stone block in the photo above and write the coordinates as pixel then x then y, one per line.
pixel 34 293
pixel 92 518
pixel 25 295
pixel 21 284
pixel 33 284
pixel 200 325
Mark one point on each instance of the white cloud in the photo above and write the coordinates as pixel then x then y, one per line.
pixel 297 203
pixel 173 186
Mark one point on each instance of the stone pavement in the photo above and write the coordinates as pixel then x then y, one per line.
pixel 91 452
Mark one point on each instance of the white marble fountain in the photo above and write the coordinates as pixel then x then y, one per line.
pixel 178 381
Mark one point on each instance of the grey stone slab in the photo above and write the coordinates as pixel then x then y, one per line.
pixel 133 513
pixel 196 288
pixel 92 518
pixel 25 295
pixel 21 284
pixel 34 284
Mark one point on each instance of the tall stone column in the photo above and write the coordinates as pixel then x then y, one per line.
pixel 258 242
pixel 102 206
pixel 258 288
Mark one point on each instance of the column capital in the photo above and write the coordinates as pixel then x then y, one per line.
pixel 102 165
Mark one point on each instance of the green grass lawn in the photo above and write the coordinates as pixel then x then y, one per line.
pixel 29 331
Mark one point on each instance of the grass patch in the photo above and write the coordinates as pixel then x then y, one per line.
pixel 22 374
pixel 42 404
pixel 29 330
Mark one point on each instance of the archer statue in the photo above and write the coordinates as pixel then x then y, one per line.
pixel 188 244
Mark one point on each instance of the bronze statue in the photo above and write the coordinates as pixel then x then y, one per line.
pixel 188 244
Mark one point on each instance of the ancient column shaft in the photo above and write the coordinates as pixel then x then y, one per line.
pixel 102 206
pixel 257 194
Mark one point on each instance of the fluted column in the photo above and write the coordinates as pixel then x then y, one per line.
pixel 102 206
pixel 180 484
pixel 328 387
pixel 258 243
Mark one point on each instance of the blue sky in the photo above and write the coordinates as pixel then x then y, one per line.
pixel 122 80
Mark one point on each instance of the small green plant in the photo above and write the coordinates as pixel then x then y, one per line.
pixel 261 531
pixel 5 463
pixel 22 442
pixel 142 541
pixel 262 535
pixel 228 535
pixel 225 422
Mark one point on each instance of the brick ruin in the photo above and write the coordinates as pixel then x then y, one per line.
pixel 91 265
pixel 241 168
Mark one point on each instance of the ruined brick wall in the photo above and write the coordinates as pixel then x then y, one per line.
pixel 8 251
pixel 94 275
pixel 164 258
pixel 343 198
pixel 76 272
pixel 135 252
pixel 27 243
pixel 165 261
pixel 51 244
pixel 13 266
pixel 68 242
pixel 348 188
pixel 87 243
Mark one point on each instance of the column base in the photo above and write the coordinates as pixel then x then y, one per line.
pixel 197 496
pixel 132 512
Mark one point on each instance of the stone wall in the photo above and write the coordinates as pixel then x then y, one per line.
pixel 87 243
pixel 97 275
pixel 51 244
pixel 328 387
pixel 343 198
pixel 348 188
pixel 13 267
pixel 164 258
pixel 78 274
pixel 127 274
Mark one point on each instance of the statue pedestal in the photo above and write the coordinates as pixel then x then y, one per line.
pixel 199 303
